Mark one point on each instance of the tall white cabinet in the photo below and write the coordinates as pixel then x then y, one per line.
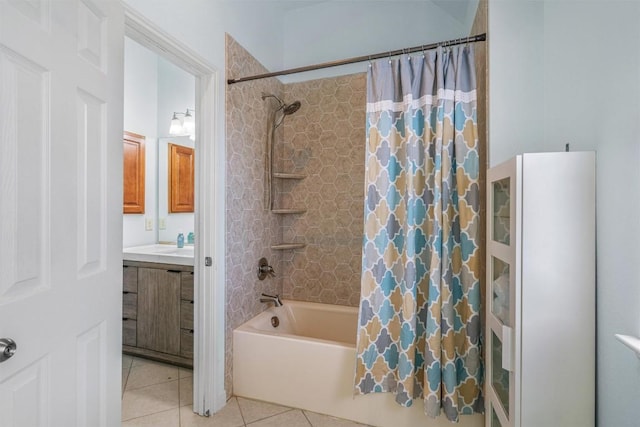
pixel 540 311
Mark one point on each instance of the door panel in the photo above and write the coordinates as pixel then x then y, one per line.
pixel 91 197
pixel 23 173
pixel 91 376
pixel 60 211
pixel 159 310
pixel 24 396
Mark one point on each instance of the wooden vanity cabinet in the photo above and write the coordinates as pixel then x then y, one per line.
pixel 129 305
pixel 186 315
pixel 158 311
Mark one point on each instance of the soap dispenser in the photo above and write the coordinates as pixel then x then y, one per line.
pixel 180 240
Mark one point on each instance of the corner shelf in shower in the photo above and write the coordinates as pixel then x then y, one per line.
pixel 288 211
pixel 283 175
pixel 287 246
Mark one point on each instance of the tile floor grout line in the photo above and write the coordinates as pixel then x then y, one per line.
pixel 239 410
pixel 305 415
pixel 149 385
pixel 148 415
pixel 270 416
pixel 179 407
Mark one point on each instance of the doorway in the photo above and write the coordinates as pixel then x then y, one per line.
pixel 208 348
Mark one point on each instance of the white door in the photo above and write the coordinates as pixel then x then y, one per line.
pixel 60 211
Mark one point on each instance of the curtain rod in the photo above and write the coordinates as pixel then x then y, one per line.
pixel 477 38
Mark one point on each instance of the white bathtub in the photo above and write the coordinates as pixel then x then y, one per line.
pixel 308 362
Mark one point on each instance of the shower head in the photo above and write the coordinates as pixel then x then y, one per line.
pixel 291 108
pixel 287 109
pixel 269 95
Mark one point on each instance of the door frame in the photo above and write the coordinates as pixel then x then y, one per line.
pixel 209 290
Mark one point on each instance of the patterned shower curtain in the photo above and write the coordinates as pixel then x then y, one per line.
pixel 419 333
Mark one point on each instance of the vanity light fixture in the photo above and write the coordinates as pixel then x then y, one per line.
pixel 176 125
pixel 189 123
pixel 183 126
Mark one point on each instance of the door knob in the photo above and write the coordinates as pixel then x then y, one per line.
pixel 8 348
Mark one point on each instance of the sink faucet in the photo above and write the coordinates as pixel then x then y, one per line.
pixel 272 298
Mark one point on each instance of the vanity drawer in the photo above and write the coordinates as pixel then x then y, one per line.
pixel 129 335
pixel 186 314
pixel 129 278
pixel 129 305
pixel 186 343
pixel 186 281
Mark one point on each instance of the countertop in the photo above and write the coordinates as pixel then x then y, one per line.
pixel 166 254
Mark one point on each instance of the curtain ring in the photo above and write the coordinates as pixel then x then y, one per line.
pixel 423 55
pixel 369 61
pixel 389 57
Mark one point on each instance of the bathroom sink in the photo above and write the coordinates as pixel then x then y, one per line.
pixel 168 254
pixel 173 250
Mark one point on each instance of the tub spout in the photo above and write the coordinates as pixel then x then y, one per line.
pixel 272 298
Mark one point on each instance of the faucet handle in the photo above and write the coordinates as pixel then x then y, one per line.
pixel 264 269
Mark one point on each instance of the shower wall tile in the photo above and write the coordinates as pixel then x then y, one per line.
pixel 324 140
pixel 250 229
pixel 479 26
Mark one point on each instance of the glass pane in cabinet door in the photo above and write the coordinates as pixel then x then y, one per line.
pixel 495 422
pixel 500 290
pixel 499 376
pixel 501 211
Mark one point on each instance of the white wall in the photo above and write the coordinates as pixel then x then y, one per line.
pixel 201 24
pixel 140 116
pixel 154 89
pixel 587 78
pixel 516 40
pixel 334 30
pixel 176 92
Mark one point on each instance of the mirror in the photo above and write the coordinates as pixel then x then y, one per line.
pixel 154 89
pixel 171 223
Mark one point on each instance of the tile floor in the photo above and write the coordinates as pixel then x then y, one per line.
pixel 159 395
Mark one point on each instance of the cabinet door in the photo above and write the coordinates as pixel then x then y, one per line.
pixel 159 310
pixel 134 173
pixel 181 178
pixel 503 294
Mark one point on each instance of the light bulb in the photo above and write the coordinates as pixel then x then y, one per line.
pixel 189 123
pixel 176 127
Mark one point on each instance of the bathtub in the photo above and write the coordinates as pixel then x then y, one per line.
pixel 308 362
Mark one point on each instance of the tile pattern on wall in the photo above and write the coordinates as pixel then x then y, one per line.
pixel 250 229
pixel 480 25
pixel 324 140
